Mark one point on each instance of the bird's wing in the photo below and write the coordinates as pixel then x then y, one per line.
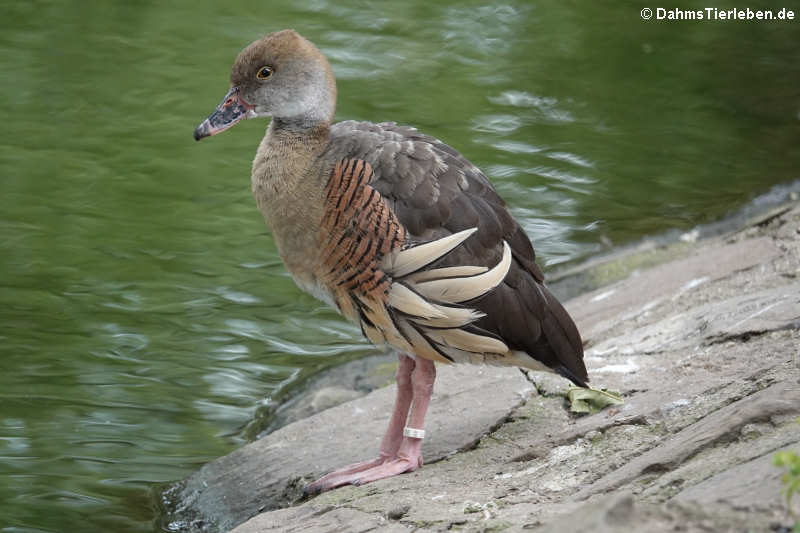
pixel 380 279
pixel 433 191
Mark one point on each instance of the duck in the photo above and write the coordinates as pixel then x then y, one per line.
pixel 399 233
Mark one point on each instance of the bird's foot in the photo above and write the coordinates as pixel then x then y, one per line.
pixel 340 477
pixel 366 472
pixel 392 468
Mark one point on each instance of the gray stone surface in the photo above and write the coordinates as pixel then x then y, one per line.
pixel 767 310
pixel 750 485
pixel 644 289
pixel 706 351
pixel 327 519
pixel 623 513
pixel 723 424
pixel 468 402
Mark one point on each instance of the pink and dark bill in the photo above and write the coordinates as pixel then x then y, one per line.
pixel 231 110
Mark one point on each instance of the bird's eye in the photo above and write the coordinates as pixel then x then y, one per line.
pixel 264 73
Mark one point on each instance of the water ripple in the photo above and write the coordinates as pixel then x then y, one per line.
pixel 497 123
pixel 516 147
pixel 238 297
pixel 547 107
pixel 571 158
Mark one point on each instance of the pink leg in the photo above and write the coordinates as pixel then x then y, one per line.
pixel 409 456
pixel 392 439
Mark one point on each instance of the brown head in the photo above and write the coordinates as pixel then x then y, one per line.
pixel 281 75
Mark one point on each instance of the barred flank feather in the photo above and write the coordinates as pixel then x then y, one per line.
pixel 378 280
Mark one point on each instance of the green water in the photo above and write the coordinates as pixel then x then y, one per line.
pixel 144 314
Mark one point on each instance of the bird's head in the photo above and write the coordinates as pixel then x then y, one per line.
pixel 282 75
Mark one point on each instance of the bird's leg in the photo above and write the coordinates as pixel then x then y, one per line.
pixel 392 439
pixel 409 456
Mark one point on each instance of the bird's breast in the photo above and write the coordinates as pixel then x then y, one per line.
pixel 291 204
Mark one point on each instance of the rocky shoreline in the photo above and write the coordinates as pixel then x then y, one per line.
pixel 702 339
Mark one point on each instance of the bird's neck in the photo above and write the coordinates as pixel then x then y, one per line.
pixel 305 128
pixel 287 151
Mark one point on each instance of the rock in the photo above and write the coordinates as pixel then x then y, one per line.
pixel 752 485
pixel 398 512
pixel 740 316
pixel 754 431
pixel 596 311
pixel 621 513
pixel 328 397
pixel 312 519
pixel 468 402
pixel 618 514
pixel 705 350
pixel 723 424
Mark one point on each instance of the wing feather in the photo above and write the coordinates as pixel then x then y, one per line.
pixel 434 192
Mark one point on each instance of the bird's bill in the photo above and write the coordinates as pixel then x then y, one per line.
pixel 231 110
